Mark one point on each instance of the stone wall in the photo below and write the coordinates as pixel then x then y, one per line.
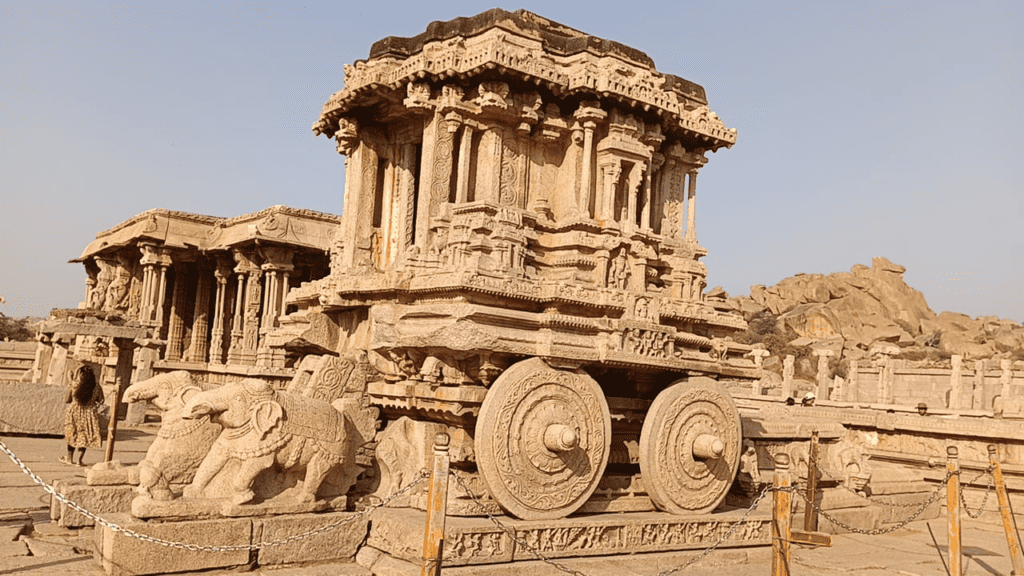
pixel 15 359
pixel 902 386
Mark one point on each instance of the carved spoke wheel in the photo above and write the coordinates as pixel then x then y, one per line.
pixel 690 446
pixel 542 440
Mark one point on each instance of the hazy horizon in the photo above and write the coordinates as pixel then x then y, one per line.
pixel 866 129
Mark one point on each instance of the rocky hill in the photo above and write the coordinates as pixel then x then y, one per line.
pixel 863 312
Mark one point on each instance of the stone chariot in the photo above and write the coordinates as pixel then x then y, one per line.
pixel 518 266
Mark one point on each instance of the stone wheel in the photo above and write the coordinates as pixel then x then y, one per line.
pixel 542 440
pixel 690 446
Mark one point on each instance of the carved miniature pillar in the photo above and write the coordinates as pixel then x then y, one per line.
pixel 632 201
pixel 1005 378
pixel 465 161
pixel 588 115
pixel 691 220
pixel 176 330
pixel 955 384
pixel 601 270
pixel 611 170
pixel 198 349
pixel 222 274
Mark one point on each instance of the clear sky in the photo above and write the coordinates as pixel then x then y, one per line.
pixel 865 128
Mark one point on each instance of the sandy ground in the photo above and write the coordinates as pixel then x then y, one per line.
pixel 30 545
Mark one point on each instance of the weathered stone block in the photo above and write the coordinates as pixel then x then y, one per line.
pixel 340 543
pixel 121 555
pixel 101 500
pixel 470 541
pixel 32 408
pixel 11 549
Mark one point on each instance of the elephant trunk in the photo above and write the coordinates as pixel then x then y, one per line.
pixel 199 407
pixel 139 392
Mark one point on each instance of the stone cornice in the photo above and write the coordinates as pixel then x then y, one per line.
pixel 526 45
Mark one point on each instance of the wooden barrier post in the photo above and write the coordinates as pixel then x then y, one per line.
pixel 1004 510
pixel 437 505
pixel 953 511
pixel 781 517
pixel 810 514
pixel 122 380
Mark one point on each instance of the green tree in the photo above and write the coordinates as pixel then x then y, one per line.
pixel 15 328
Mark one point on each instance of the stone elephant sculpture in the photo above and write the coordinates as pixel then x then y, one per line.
pixel 180 444
pixel 264 429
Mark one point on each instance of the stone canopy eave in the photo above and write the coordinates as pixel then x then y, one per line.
pixel 186 231
pixel 568 63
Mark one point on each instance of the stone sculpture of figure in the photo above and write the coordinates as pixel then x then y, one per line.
pixel 618 271
pixel 622 272
pixel 180 445
pixel 264 428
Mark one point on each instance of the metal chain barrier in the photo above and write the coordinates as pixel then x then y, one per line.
pixel 878 531
pixel 724 537
pixel 563 568
pixel 988 491
pixel 201 548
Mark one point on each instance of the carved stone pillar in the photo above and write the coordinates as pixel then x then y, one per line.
pixel 649 200
pixel 222 274
pixel 241 296
pixel 176 330
pixel 787 376
pixel 981 394
pixel 1005 378
pixel 161 296
pixel 691 208
pixel 823 355
pixel 198 349
pixel 146 300
pixel 851 391
pixel 250 316
pixel 435 176
pixel 955 382
pixel 588 115
pixel 465 162
pixel 407 187
pixel 670 197
pixel 277 262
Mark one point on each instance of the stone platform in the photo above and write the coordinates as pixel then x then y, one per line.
pixel 121 555
pixel 473 541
